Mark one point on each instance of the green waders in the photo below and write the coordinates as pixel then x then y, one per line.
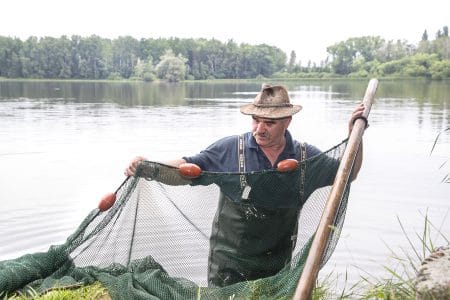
pixel 249 241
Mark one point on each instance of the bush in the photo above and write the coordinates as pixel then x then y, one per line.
pixel 416 71
pixel 358 74
pixel 114 76
pixel 440 69
pixel 390 68
pixel 149 76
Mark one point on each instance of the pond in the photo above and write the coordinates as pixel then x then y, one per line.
pixel 65 144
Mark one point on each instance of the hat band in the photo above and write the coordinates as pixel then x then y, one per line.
pixel 274 105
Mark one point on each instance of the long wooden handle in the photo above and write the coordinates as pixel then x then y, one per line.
pixel 312 264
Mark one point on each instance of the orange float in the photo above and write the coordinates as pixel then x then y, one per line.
pixel 189 170
pixel 287 165
pixel 107 201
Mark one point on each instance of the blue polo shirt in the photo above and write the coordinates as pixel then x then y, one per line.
pixel 222 156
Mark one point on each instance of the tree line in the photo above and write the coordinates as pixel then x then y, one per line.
pixel 176 59
pixel 375 57
pixel 94 57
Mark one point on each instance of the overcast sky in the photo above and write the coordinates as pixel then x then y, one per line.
pixel 305 26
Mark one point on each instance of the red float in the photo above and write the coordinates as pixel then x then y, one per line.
pixel 107 201
pixel 287 165
pixel 189 170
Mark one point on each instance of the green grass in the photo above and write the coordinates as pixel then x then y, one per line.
pixel 92 292
pixel 402 273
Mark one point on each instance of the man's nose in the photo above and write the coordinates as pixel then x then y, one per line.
pixel 261 127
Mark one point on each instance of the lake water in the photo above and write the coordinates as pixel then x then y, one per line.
pixel 63 145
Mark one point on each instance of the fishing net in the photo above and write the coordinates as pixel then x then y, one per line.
pixel 156 240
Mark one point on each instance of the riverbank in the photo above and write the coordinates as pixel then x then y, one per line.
pixel 306 77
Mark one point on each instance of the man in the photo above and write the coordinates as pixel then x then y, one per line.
pixel 253 237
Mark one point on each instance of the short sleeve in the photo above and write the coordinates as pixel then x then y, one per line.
pixel 220 156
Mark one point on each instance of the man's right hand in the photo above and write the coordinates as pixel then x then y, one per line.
pixel 131 169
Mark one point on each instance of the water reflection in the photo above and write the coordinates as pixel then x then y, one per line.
pixel 126 94
pixel 418 91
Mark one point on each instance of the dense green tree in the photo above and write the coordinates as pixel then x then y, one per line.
pixel 63 58
pixel 231 60
pixel 344 53
pixel 214 56
pixel 368 47
pixel 91 57
pixel 10 63
pixel 171 68
pixel 153 48
pixel 29 57
pixel 342 57
pixel 125 53
pixel 53 57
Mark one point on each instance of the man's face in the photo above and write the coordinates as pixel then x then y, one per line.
pixel 269 132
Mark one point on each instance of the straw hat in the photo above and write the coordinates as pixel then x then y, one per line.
pixel 271 103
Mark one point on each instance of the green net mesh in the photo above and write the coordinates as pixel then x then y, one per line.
pixel 156 241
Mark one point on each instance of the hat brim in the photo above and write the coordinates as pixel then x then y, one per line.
pixel 270 112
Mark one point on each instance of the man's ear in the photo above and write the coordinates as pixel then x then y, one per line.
pixel 287 121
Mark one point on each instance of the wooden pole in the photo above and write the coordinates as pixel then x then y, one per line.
pixel 312 264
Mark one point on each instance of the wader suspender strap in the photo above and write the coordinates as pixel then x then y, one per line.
pixel 246 188
pixel 241 156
